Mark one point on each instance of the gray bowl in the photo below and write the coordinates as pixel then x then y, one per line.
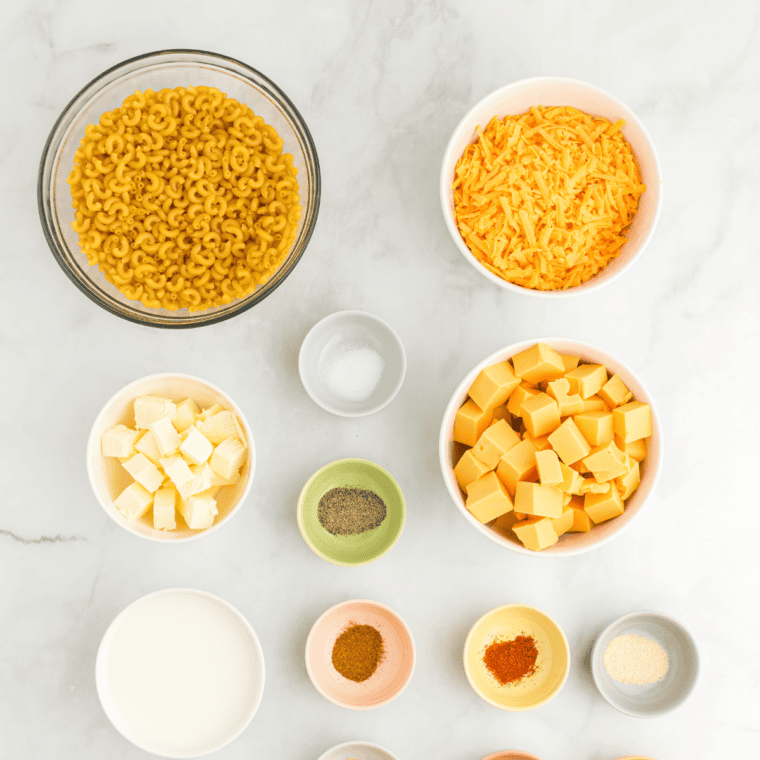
pixel 671 691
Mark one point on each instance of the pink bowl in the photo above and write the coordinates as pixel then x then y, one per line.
pixel 511 754
pixel 392 675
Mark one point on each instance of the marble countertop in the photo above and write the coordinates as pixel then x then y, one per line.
pixel 381 86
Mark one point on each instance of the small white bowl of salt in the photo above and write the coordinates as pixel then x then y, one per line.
pixel 352 363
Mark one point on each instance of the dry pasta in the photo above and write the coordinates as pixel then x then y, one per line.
pixel 184 198
pixel 543 199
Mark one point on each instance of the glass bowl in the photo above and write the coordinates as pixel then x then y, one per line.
pixel 168 68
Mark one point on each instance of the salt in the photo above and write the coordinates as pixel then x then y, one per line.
pixel 632 659
pixel 350 370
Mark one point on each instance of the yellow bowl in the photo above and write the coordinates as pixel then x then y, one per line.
pixel 552 666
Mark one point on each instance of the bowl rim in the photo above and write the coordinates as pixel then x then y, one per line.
pixel 391 613
pixel 352 744
pixel 565 649
pixel 93 443
pixel 59 130
pixel 300 508
pixel 310 390
pixel 101 679
pixel 511 754
pixel 444 456
pixel 445 189
pixel 673 623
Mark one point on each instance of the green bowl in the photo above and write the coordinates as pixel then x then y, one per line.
pixel 351 551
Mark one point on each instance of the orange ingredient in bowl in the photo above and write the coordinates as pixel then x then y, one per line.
pixel 511 661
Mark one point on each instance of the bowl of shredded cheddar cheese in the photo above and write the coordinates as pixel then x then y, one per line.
pixel 179 188
pixel 550 187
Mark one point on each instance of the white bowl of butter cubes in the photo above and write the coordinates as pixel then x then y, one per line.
pixel 170 457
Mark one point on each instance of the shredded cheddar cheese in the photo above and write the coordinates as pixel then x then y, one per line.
pixel 544 199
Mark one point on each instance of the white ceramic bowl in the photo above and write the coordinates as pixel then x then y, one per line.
pixel 108 478
pixel 570 543
pixel 670 692
pixel 517 98
pixel 357 751
pixel 360 329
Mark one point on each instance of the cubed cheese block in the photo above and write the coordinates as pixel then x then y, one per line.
pixel 470 422
pixel 195 447
pixel 163 509
pixel 541 443
pixel 177 470
pixel 606 462
pixel 568 402
pixel 468 469
pixel 119 441
pixel 221 426
pixel 134 501
pixel 166 436
pixel 632 421
pixel 548 465
pixel 199 511
pixel 587 380
pixel 571 480
pixel 517 464
pixel 592 485
pixel 595 404
pixel 487 498
pixel 147 446
pixel 603 506
pixel 595 426
pixel 150 409
pixel 569 442
pixel 635 449
pixel 495 442
pixel 570 362
pixel 537 500
pixel 519 396
pixel 581 521
pixel 501 413
pixel 493 386
pixel 503 524
pixel 535 533
pixel 614 392
pixel 540 414
pixel 629 482
pixel 144 472
pixel 564 522
pixel 186 415
pixel 228 457
pixel 538 363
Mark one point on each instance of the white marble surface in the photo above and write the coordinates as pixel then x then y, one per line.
pixel 382 85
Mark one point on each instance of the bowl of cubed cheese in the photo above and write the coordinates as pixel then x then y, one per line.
pixel 550 446
pixel 170 457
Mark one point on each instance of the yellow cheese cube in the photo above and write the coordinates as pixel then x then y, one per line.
pixel 535 533
pixel 487 498
pixel 632 421
pixel 592 485
pixel 540 414
pixel 548 466
pixel 571 480
pixel 468 469
pixel 635 449
pixel 501 413
pixel 503 523
pixel 570 362
pixel 606 462
pixel 493 386
pixel 517 464
pixel 595 426
pixel 535 499
pixel 629 482
pixel 580 467
pixel 614 392
pixel 519 396
pixel 595 404
pixel 569 442
pixel 587 379
pixel 470 422
pixel 581 521
pixel 568 402
pixel 541 443
pixel 541 362
pixel 495 442
pixel 566 499
pixel 603 506
pixel 564 522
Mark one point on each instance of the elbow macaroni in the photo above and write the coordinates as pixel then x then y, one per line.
pixel 184 198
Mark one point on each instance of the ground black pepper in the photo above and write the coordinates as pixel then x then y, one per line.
pixel 349 511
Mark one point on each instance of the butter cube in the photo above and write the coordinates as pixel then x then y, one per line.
pixel 493 386
pixel 221 426
pixel 144 472
pixel 635 449
pixel 198 511
pixel 548 465
pixel 487 498
pixel 629 482
pixel 587 380
pixel 163 509
pixel 119 441
pixel 196 448
pixel 540 414
pixel 539 363
pixel 186 415
pixel 595 426
pixel 147 447
pixel 470 422
pixel 614 392
pixel 581 521
pixel 517 464
pixel 569 362
pixel 218 481
pixel 571 480
pixel 535 533
pixel 494 443
pixel 210 412
pixel 468 469
pixel 519 396
pixel 567 401
pixel 606 462
pixel 150 409
pixel 564 522
pixel 134 501
pixel 176 470
pixel 166 437
pixel 595 404
pixel 604 506
pixel 228 457
pixel 201 481
pixel 569 442
pixel 632 421
pixel 537 500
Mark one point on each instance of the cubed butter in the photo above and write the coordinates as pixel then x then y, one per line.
pixel 196 448
pixel 198 511
pixel 537 500
pixel 166 437
pixel 540 414
pixel 218 481
pixel 516 465
pixel 177 470
pixel 519 396
pixel 201 481
pixel 210 412
pixel 495 442
pixel 134 501
pixel 470 422
pixel 569 442
pixel 538 363
pixel 548 465
pixel 606 462
pixel 150 409
pixel 228 457
pixel 614 392
pixel 535 533
pixel 564 522
pixel 487 498
pixel 571 480
pixel 119 441
pixel 493 386
pixel 468 469
pixel 163 509
pixel 569 403
pixel 186 415
pixel 144 472
pixel 587 380
pixel 221 426
pixel 632 421
pixel 595 426
pixel 629 482
pixel 635 449
pixel 147 446
pixel 604 506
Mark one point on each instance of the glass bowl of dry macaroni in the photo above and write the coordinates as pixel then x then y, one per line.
pixel 550 187
pixel 179 188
